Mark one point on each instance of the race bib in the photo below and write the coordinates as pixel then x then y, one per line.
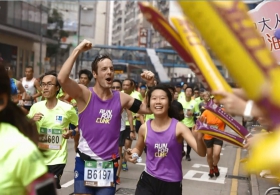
pixel 99 174
pixel 50 138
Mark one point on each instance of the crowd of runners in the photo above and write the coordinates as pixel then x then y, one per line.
pixel 38 116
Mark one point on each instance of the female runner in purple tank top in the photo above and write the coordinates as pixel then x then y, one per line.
pixel 163 137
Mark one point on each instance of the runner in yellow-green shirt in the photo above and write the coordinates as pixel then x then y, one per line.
pixel 128 88
pixel 53 117
pixel 191 109
pixel 22 166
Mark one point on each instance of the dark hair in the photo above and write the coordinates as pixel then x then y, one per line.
pixel 171 88
pixel 195 89
pixel 130 80
pixel 29 67
pixel 53 73
pixel 12 114
pixel 172 112
pixel 117 81
pixel 189 87
pixel 86 72
pixel 97 59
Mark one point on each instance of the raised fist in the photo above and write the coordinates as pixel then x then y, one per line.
pixel 148 77
pixel 84 45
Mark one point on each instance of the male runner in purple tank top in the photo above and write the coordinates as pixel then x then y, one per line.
pixel 99 122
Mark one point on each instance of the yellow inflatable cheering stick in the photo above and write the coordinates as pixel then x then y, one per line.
pixel 230 32
pixel 195 55
pixel 195 47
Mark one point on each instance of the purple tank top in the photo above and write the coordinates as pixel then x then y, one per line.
pixel 100 125
pixel 164 153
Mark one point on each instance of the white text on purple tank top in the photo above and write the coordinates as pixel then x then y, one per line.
pixel 162 150
pixel 105 116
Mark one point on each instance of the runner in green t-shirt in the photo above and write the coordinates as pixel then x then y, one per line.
pixel 128 88
pixel 20 161
pixel 22 165
pixel 53 117
pixel 190 110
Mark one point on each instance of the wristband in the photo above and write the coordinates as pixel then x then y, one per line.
pixel 73 132
pixel 132 131
pixel 248 108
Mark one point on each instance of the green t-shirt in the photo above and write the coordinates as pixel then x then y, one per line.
pixel 20 161
pixel 149 116
pixel 60 93
pixel 181 96
pixel 198 100
pixel 54 121
pixel 191 105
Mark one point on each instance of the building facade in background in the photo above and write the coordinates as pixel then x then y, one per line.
pixel 23 40
pixel 118 22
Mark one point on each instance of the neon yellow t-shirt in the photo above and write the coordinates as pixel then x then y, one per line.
pixel 181 96
pixel 149 116
pixel 20 161
pixel 198 100
pixel 60 93
pixel 191 105
pixel 55 120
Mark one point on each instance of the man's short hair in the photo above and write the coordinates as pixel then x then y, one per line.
pixel 86 72
pixel 117 81
pixel 29 67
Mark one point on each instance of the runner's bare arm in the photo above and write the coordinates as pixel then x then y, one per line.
pixel 130 119
pixel 233 104
pixel 38 88
pixel 20 87
pixel 76 91
pixel 76 141
pixel 195 140
pixel 134 105
pixel 240 93
pixel 139 147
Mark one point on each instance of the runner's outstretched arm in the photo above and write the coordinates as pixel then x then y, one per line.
pixel 72 88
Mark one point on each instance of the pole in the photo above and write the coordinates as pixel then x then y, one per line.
pixel 41 40
pixel 78 39
pixel 58 48
pixel 149 38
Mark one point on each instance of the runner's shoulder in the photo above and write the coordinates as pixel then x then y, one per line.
pixel 18 139
pixel 39 104
pixel 64 105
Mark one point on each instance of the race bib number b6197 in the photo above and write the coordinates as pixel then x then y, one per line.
pixel 99 174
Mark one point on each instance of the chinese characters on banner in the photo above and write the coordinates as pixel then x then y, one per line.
pixel 267 19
